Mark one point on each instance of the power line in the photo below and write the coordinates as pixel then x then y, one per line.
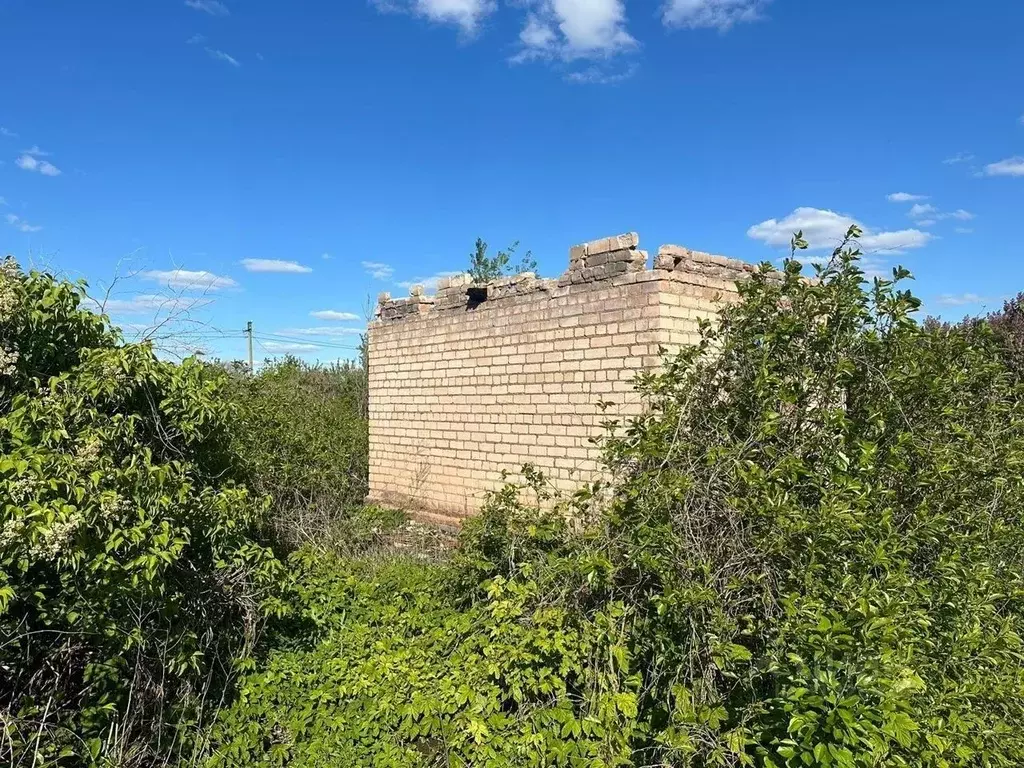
pixel 307 341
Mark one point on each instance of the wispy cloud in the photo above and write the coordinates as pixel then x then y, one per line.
pixel 1011 166
pixel 713 14
pixel 20 224
pixel 150 303
pixel 325 256
pixel 212 7
pixel 221 56
pixel 926 214
pixel 190 280
pixel 919 210
pixel 196 39
pixel 275 265
pixel 333 314
pixel 964 299
pixel 429 283
pixel 288 347
pixel 963 230
pixel 464 14
pixel 823 228
pixel 959 157
pixel 322 330
pixel 7 133
pixel 904 197
pixel 378 270
pixel 29 161
pixel 598 75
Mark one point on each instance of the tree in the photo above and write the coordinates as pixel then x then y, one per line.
pixel 483 268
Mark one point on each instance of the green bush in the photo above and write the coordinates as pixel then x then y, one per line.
pixel 392 672
pixel 818 527
pixel 130 576
pixel 300 437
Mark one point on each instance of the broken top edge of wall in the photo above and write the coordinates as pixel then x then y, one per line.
pixel 608 259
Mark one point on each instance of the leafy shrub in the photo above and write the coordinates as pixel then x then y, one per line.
pixel 484 268
pixel 300 437
pixel 818 523
pixel 130 578
pixel 399 675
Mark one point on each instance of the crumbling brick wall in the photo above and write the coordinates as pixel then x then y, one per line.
pixel 478 379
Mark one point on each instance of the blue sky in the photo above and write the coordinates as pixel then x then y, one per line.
pixel 281 162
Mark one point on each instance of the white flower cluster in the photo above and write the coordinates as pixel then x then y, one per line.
pixel 56 537
pixel 11 532
pixel 8 361
pixel 21 490
pixel 89 450
pixel 8 297
pixel 111 503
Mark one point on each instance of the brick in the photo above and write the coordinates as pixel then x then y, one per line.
pixel 460 392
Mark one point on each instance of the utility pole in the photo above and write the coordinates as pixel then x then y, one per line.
pixel 248 333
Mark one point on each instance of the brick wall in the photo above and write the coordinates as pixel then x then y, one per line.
pixel 480 379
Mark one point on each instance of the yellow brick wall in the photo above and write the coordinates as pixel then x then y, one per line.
pixel 459 395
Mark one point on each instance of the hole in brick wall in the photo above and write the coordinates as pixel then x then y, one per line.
pixel 475 296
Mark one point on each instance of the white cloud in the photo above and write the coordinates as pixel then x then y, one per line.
pixel 429 283
pixel 535 34
pixel 288 347
pixel 7 133
pixel 963 230
pixel 925 215
pixel 221 56
pixel 333 314
pixel 904 197
pixel 714 14
pixel 574 29
pixel 1011 166
pixel 325 256
pixel 20 224
pixel 35 150
pixel 275 265
pixel 378 270
pixel 322 330
pixel 212 7
pixel 188 279
pixel 959 157
pixel 196 39
pixel 148 303
pixel 465 14
pixel 962 299
pixel 823 228
pixel 29 162
pixel 600 76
